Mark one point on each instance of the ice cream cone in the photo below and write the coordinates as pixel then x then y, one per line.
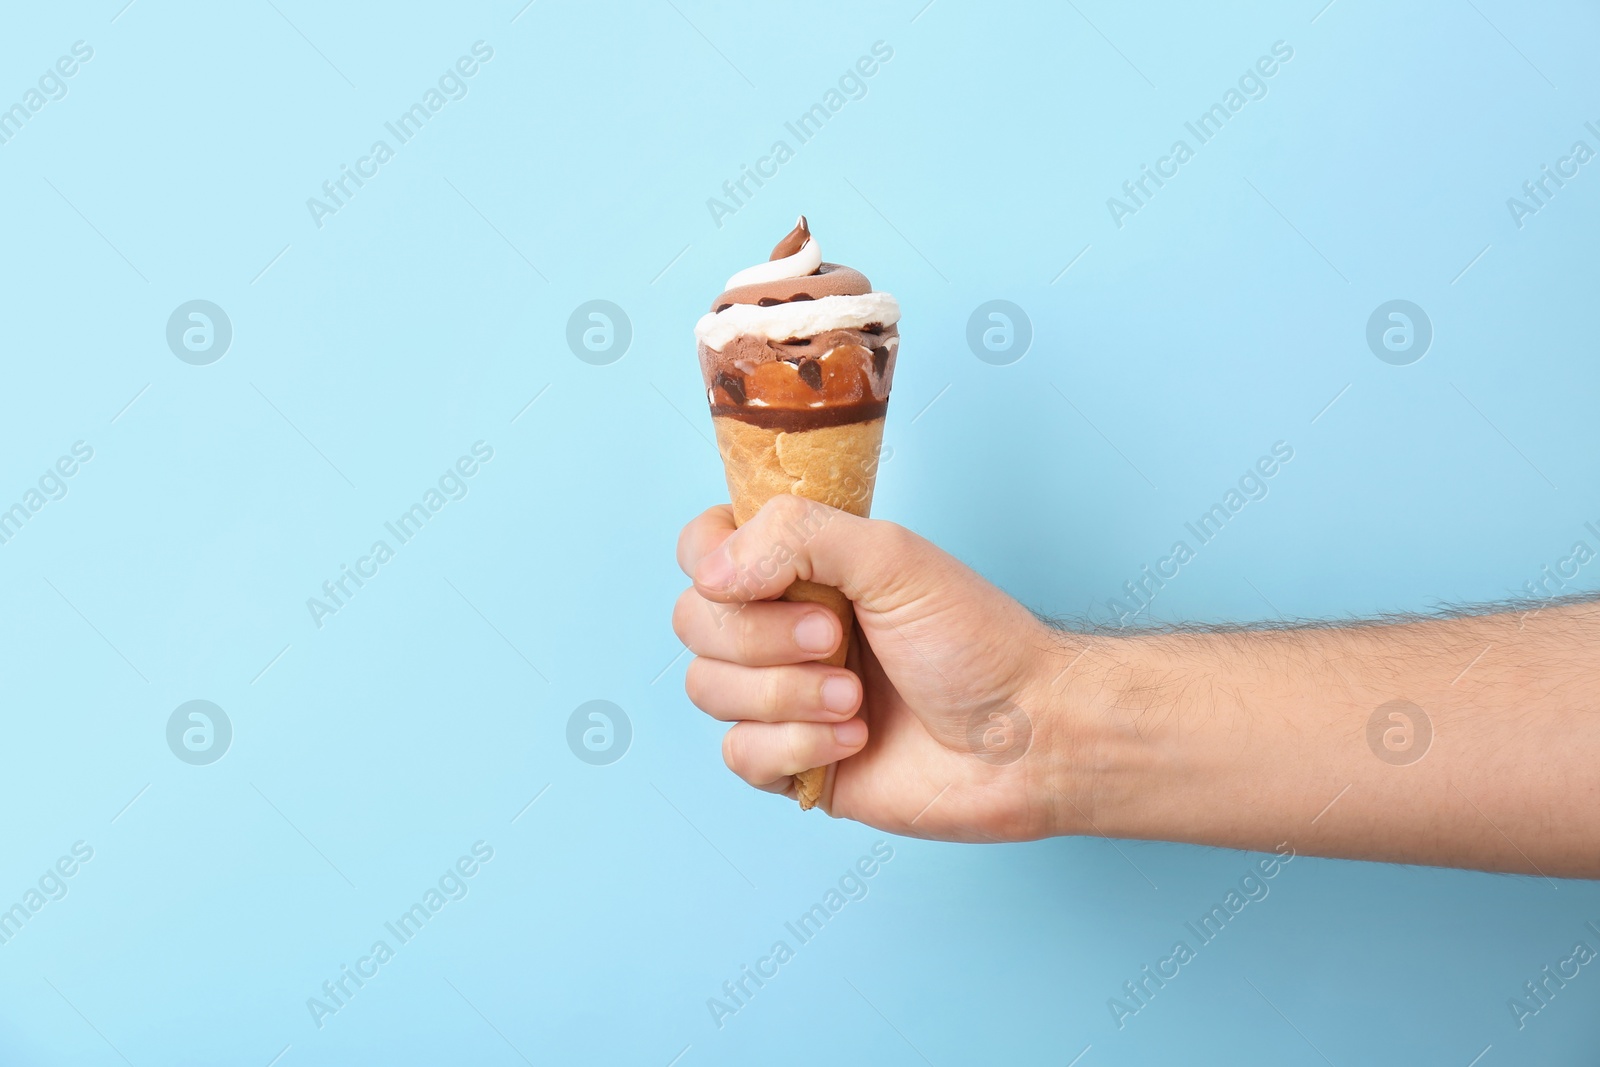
pixel 798 356
pixel 833 465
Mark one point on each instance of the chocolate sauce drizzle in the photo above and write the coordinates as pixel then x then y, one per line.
pixel 733 385
pixel 793 420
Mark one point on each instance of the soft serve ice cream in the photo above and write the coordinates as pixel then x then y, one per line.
pixel 795 343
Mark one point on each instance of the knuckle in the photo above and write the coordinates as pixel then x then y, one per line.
pixel 794 736
pixel 788 507
pixel 901 555
pixel 770 693
pixel 896 539
pixel 776 538
pixel 746 643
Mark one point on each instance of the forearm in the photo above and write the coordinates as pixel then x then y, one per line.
pixel 1252 739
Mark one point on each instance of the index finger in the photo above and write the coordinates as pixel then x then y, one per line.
pixel 703 533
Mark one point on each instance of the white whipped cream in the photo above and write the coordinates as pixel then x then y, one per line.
pixel 806 261
pixel 799 318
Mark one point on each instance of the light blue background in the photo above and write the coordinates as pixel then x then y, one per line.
pixel 370 353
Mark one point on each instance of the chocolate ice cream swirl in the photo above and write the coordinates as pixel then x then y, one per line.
pixel 830 279
pixel 795 343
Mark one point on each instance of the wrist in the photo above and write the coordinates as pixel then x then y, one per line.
pixel 1108 748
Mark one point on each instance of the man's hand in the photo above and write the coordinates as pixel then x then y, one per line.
pixel 940 728
pixel 1460 742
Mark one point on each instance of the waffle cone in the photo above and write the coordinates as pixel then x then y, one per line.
pixel 833 465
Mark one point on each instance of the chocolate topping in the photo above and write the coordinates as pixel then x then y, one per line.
pixel 793 241
pixel 829 378
pixel 733 385
pixel 753 378
pixel 790 420
pixel 830 279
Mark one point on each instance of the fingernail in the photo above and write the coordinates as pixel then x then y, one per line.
pixel 814 633
pixel 838 694
pixel 850 734
pixel 716 570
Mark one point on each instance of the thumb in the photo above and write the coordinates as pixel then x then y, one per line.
pixel 791 538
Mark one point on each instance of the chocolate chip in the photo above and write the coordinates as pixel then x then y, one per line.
pixel 880 360
pixel 801 296
pixel 796 341
pixel 768 301
pixel 731 384
pixel 811 373
pixel 872 327
pixel 723 307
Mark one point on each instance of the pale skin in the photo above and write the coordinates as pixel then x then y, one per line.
pixel 1244 739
